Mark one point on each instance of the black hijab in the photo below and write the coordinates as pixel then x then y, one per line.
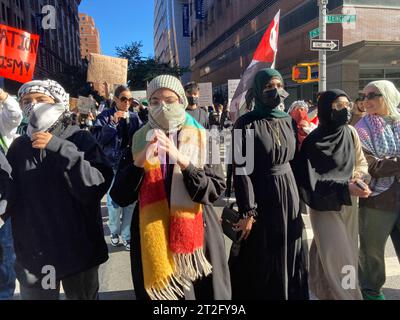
pixel 327 159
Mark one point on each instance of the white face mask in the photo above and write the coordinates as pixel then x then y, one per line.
pixel 167 117
pixel 43 116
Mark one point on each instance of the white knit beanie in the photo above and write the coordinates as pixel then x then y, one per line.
pixel 167 82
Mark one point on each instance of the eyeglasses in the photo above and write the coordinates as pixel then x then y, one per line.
pixel 372 95
pixel 156 102
pixel 342 105
pixel 125 99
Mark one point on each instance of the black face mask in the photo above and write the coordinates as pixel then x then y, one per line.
pixel 193 101
pixel 340 117
pixel 273 98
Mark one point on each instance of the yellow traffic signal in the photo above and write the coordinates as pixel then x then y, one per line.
pixel 305 72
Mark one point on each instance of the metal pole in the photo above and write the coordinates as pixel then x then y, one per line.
pixel 322 54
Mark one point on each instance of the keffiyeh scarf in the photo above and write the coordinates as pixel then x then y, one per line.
pixel 381 138
pixel 50 88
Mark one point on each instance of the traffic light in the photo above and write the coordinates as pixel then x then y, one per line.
pixel 305 72
pixel 300 73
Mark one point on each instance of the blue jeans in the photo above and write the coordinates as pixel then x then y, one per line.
pixel 117 224
pixel 7 260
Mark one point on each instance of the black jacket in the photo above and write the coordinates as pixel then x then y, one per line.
pixel 5 186
pixel 56 212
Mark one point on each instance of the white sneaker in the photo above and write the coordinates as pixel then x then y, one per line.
pixel 114 240
pixel 127 245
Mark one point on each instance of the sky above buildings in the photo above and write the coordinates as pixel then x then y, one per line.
pixel 122 21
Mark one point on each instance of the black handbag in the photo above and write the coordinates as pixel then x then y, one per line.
pixel 229 217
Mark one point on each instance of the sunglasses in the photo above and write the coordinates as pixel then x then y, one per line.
pixel 125 99
pixel 371 96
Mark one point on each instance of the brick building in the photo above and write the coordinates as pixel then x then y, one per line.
pixel 59 48
pixel 222 44
pixel 89 36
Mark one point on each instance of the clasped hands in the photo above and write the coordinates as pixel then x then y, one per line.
pixel 161 144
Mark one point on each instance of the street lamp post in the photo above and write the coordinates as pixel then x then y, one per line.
pixel 322 54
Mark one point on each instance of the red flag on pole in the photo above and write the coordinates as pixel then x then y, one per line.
pixel 264 57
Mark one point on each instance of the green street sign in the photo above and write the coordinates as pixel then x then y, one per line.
pixel 341 18
pixel 334 18
pixel 314 33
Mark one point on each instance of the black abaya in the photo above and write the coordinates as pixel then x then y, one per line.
pixel 271 263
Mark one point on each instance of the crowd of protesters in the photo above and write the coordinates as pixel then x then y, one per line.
pixel 336 160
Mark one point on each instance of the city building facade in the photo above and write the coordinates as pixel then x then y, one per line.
pixel 224 40
pixel 89 36
pixel 171 33
pixel 59 45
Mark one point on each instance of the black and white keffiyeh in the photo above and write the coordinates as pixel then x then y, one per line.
pixel 48 87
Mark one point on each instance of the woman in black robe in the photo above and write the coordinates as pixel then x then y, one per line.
pixel 203 185
pixel 271 263
pixel 331 165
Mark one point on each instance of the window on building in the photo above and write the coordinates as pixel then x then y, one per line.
pixel 219 8
pixel 367 75
pixel 3 11
pixel 212 14
pixel 371 73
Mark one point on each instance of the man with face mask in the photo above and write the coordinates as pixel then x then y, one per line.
pixel 192 92
pixel 10 119
pixel 60 174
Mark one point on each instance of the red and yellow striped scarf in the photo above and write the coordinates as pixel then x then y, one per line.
pixel 171 235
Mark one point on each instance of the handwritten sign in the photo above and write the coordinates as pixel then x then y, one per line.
pixel 139 95
pixel 18 52
pixel 206 94
pixel 107 69
pixel 73 103
pixel 86 105
pixel 232 86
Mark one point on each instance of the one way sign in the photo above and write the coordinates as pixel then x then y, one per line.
pixel 327 45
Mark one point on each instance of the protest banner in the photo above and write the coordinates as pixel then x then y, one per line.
pixel 206 94
pixel 112 70
pixel 18 52
pixel 86 105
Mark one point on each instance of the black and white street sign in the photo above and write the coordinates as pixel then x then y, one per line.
pixel 327 45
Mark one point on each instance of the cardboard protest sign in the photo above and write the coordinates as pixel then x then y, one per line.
pixel 206 94
pixel 86 105
pixel 18 52
pixel 73 103
pixel 107 69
